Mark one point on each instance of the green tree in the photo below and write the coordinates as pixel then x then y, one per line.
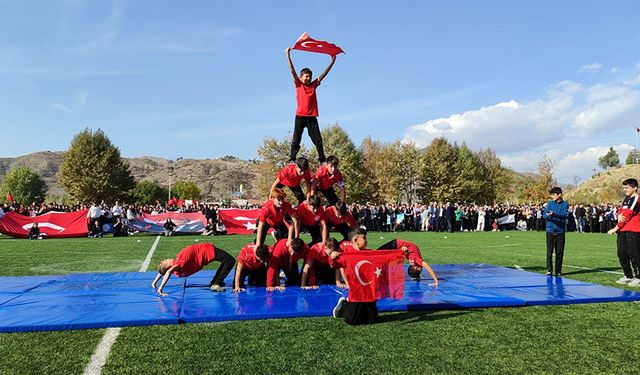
pixel 633 157
pixel 93 170
pixel 472 178
pixel 147 192
pixel 25 185
pixel 186 190
pixel 538 187
pixel 609 160
pixel 337 142
pixel 438 177
pixel 500 186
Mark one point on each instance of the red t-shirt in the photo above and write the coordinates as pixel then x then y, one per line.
pixel 414 256
pixel 347 246
pixel 317 254
pixel 272 215
pixel 309 218
pixel 326 180
pixel 630 209
pixel 281 260
pixel 192 258
pixel 247 258
pixel 334 220
pixel 288 176
pixel 306 98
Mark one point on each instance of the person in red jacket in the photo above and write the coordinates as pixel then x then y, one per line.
pixel 628 228
pixel 292 175
pixel 325 177
pixel 272 215
pixel 312 218
pixel 192 259
pixel 340 219
pixel 317 268
pixel 252 263
pixel 284 257
pixel 414 256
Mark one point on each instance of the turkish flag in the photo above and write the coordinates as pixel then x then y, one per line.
pixel 306 43
pixel 10 198
pixel 52 224
pixel 373 275
pixel 239 221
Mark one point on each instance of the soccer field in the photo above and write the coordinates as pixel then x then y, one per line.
pixel 584 339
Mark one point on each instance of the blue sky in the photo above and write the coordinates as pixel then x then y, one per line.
pixel 203 79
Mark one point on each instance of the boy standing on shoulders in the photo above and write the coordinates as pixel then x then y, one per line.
pixel 555 213
pixel 628 229
pixel 307 109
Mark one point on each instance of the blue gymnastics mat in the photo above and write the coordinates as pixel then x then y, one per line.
pixel 80 301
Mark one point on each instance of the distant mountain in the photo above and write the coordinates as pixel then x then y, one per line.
pixel 605 187
pixel 217 178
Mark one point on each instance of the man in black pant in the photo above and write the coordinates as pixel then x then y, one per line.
pixel 628 228
pixel 555 213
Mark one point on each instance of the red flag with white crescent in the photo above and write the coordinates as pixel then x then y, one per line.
pixel 239 221
pixel 306 43
pixel 52 224
pixel 373 275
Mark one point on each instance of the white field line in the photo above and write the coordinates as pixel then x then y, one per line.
pixel 100 356
pixel 518 267
pixel 578 267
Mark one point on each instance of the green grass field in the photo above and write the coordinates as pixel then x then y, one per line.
pixel 569 339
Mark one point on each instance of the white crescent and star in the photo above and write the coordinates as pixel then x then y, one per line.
pixel 44 225
pixel 313 44
pixel 378 272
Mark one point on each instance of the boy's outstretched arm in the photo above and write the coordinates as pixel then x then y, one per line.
pixel 167 275
pixel 433 274
pixel 326 71
pixel 293 70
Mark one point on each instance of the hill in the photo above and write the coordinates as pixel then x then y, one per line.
pixel 217 178
pixel 604 187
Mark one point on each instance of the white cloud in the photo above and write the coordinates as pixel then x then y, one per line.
pixel 62 107
pixel 614 70
pixel 81 98
pixel 590 68
pixel 582 163
pixel 633 82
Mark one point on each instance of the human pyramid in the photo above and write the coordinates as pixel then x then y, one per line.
pixel 260 265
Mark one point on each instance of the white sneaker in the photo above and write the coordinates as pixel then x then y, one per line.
pixel 338 311
pixel 623 280
pixel 634 282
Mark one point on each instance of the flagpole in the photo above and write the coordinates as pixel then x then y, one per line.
pixel 635 154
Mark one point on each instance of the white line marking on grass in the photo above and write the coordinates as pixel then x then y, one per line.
pixel 100 356
pixel 518 267
pixel 591 269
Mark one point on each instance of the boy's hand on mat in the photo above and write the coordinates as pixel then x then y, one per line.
pixel 435 285
pixel 238 290
pixel 274 288
pixel 310 287
pixel 162 294
pixel 342 285
pixel 153 285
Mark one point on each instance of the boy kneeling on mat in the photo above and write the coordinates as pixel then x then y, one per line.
pixel 192 259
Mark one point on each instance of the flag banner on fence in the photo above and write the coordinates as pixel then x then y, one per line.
pixel 192 222
pixel 239 221
pixel 507 219
pixel 306 43
pixel 374 274
pixel 52 224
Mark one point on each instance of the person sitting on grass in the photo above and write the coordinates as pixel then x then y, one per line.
pixel 96 230
pixel 34 233
pixel 169 226
pixel 414 256
pixel 192 259
pixel 252 263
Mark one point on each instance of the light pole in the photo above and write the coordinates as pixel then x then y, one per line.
pixel 170 174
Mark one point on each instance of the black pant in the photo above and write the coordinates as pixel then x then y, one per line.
pixel 356 313
pixel 257 277
pixel 555 241
pixel 292 275
pixel 226 265
pixel 281 231
pixel 311 123
pixel 344 230
pixel 316 234
pixel 628 253
pixel 297 191
pixel 330 195
pixel 391 245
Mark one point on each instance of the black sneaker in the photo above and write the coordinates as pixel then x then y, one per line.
pixel 338 311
